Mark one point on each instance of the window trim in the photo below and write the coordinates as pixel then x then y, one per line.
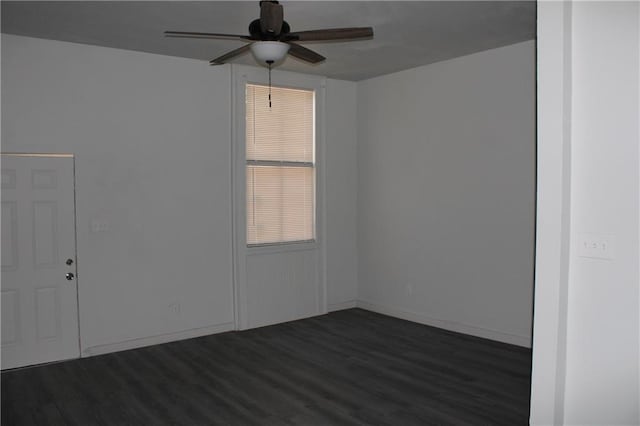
pixel 239 75
pixel 277 163
pixel 272 163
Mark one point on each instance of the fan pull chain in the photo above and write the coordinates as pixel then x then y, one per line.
pixel 269 63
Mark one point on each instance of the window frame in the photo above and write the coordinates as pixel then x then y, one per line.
pixel 241 75
pixel 286 163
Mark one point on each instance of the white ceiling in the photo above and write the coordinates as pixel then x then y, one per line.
pixel 406 34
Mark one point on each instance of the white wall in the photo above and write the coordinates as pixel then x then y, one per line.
pixel 446 193
pixel 341 197
pixel 603 321
pixel 152 140
pixel 589 375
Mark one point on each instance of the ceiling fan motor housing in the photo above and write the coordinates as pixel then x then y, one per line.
pixel 255 29
pixel 271 17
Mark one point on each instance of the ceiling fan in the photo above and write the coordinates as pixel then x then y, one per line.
pixel 270 38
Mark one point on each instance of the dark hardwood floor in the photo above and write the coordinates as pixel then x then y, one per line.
pixel 350 367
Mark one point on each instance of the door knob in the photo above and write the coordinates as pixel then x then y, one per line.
pixel 69 276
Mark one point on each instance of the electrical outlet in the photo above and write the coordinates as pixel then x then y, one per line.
pixel 409 289
pixel 174 308
pixel 596 246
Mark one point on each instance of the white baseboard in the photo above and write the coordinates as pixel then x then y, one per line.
pixel 514 339
pixel 331 307
pixel 156 340
pixel 499 336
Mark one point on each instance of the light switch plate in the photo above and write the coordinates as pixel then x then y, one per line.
pixel 99 225
pixel 596 246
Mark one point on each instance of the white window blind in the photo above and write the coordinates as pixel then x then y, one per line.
pixel 280 165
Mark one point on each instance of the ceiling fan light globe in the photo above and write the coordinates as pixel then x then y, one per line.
pixel 269 51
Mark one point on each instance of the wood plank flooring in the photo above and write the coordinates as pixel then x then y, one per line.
pixel 350 367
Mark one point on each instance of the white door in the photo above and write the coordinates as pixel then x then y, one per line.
pixel 39 292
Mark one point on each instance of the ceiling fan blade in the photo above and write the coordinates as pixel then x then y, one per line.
pixel 331 34
pixel 224 58
pixel 305 54
pixel 271 17
pixel 188 34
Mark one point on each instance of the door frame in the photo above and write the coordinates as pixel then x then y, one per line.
pixel 553 209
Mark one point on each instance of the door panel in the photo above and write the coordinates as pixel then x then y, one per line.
pixel 39 305
pixel 45 240
pixel 10 317
pixel 9 235
pixel 47 313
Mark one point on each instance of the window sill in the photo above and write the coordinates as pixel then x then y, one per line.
pixel 281 247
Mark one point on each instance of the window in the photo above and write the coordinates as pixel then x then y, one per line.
pixel 280 155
